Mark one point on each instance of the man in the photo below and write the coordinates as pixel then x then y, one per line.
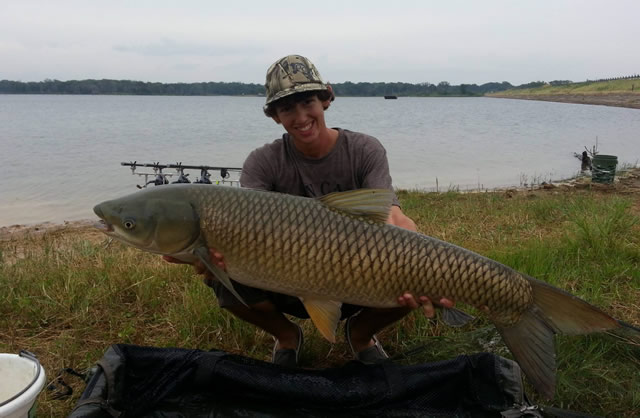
pixel 313 160
pixel 586 161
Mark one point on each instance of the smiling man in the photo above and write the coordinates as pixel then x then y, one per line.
pixel 312 160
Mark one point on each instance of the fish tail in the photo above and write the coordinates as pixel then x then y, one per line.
pixel 627 332
pixel 531 338
pixel 629 327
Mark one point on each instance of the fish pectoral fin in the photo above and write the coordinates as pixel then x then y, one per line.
pixel 325 315
pixel 455 317
pixel 203 255
pixel 371 204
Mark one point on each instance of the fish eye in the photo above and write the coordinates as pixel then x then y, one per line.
pixel 129 223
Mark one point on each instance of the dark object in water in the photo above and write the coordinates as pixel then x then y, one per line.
pixel 133 381
pixel 586 161
pixel 390 96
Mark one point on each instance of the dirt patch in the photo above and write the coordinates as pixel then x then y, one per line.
pixel 625 184
pixel 18 241
pixel 84 227
pixel 631 100
pixel 630 185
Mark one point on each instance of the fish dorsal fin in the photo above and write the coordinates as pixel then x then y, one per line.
pixel 371 204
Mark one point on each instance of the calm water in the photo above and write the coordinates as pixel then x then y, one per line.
pixel 60 155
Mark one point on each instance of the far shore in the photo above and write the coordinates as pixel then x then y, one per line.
pixel 629 100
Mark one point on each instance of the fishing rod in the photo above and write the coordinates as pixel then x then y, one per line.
pixel 160 178
pixel 157 165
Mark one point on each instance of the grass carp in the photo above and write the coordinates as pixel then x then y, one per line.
pixel 338 249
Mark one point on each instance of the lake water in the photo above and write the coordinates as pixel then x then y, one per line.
pixel 60 155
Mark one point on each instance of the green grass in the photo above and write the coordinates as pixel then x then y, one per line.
pixel 600 87
pixel 68 296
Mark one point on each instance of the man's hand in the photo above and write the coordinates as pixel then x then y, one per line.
pixel 428 307
pixel 398 218
pixel 216 259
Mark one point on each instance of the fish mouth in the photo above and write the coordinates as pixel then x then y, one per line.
pixel 104 226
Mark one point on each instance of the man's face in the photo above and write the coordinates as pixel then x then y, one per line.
pixel 304 120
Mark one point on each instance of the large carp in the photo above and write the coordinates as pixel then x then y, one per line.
pixel 337 249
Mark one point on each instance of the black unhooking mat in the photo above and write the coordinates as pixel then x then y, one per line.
pixel 133 381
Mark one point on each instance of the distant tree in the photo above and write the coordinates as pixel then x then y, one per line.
pixel 531 85
pixel 560 82
pixel 443 87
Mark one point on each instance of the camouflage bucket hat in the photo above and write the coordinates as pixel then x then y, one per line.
pixel 290 75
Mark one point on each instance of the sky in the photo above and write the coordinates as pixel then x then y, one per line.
pixel 377 41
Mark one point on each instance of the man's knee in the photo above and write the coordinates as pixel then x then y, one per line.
pixel 264 306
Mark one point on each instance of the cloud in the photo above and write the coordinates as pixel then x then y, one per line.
pixel 169 47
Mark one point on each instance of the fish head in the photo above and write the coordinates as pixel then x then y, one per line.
pixel 163 226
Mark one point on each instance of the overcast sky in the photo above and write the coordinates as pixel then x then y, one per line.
pixel 392 40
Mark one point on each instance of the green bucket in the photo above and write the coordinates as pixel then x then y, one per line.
pixel 604 168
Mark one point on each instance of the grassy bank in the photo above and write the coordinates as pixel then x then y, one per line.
pixel 630 86
pixel 68 295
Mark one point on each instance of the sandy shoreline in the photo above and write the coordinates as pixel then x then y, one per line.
pixel 629 100
pixel 21 230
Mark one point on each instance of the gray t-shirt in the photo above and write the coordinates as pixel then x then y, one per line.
pixel 356 161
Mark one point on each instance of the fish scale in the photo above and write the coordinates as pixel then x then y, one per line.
pixel 337 249
pixel 386 257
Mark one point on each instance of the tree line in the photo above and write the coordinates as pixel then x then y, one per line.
pixel 128 87
pixel 626 77
pixel 361 89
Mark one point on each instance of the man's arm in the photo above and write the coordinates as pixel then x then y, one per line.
pixel 256 172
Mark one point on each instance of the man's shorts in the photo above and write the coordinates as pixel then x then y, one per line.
pixel 284 303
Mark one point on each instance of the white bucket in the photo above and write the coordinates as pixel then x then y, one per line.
pixel 21 380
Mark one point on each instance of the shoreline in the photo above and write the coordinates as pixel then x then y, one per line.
pixel 16 231
pixel 626 182
pixel 627 100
